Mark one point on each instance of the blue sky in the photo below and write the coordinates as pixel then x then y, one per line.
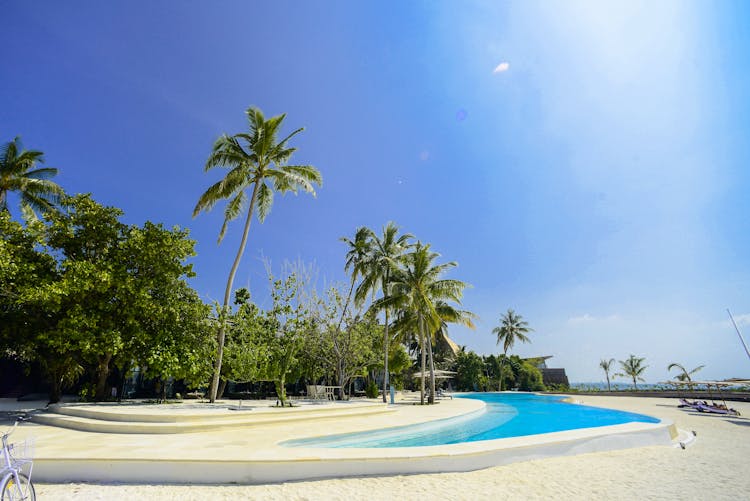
pixel 597 185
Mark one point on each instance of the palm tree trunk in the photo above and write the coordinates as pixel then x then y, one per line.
pixel 608 387
pixel 386 339
pixel 424 361
pixel 385 349
pixel 502 362
pixel 221 335
pixel 431 399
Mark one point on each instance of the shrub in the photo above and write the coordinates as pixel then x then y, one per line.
pixel 371 390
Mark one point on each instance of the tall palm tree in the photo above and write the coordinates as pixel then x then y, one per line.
pixel 19 172
pixel 512 328
pixel 418 288
pixel 382 260
pixel 684 374
pixel 257 160
pixel 359 249
pixel 606 366
pixel 633 367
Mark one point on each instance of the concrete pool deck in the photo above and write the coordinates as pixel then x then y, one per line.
pixel 242 446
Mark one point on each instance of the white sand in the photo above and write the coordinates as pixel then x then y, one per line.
pixel 716 466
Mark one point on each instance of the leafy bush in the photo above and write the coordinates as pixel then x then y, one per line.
pixel 371 390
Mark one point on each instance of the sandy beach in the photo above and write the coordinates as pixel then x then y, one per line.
pixel 714 466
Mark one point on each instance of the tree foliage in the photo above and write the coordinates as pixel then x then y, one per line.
pixel 633 368
pixel 96 293
pixel 20 173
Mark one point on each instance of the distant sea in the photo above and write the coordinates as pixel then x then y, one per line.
pixel 618 386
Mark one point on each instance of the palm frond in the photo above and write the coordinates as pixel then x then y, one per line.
pixel 264 201
pixel 232 210
pixel 43 173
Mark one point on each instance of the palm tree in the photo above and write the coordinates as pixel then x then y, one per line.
pixel 378 267
pixel 19 173
pixel 684 374
pixel 633 367
pixel 407 323
pixel 359 249
pixel 257 160
pixel 512 328
pixel 418 288
pixel 606 366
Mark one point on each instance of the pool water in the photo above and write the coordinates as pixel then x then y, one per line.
pixel 505 415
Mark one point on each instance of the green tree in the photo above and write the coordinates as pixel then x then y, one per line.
pixel 528 377
pixel 256 160
pixel 348 347
pixel 19 172
pixel 419 289
pixel 377 269
pixel 283 334
pixel 245 354
pixel 356 256
pixel 606 366
pixel 469 371
pixel 512 328
pixel 107 293
pixel 633 368
pixel 684 374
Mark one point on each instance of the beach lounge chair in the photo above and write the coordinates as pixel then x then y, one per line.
pixel 316 392
pixel 716 409
pixel 443 394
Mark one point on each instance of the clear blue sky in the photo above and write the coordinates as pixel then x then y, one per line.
pixel 598 185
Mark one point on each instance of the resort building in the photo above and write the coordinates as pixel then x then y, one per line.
pixel 549 376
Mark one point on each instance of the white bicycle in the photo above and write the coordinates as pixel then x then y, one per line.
pixel 15 470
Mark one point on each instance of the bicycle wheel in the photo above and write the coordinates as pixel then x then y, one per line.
pixel 11 491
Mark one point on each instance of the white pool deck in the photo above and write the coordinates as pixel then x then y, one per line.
pixel 197 443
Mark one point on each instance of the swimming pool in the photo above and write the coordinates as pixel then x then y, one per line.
pixel 505 415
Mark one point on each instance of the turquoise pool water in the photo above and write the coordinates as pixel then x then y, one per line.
pixel 506 415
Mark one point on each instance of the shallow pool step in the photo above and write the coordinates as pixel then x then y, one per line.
pixel 108 422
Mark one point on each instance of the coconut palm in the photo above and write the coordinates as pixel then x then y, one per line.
pixel 684 374
pixel 418 288
pixel 359 249
pixel 19 172
pixel 407 323
pixel 606 366
pixel 382 259
pixel 633 368
pixel 256 160
pixel 512 328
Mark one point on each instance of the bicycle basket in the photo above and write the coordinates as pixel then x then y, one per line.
pixel 21 452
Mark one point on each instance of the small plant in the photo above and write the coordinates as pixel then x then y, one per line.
pixel 371 390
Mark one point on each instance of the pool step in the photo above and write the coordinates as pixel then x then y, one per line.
pixel 107 421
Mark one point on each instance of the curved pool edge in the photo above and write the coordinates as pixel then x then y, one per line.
pixel 311 464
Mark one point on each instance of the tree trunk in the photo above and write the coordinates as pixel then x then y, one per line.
pixel 56 388
pixel 222 388
pixel 123 378
pixel 340 378
pixel 608 387
pixel 431 399
pixel 502 362
pixel 424 361
pixel 220 336
pixel 281 390
pixel 385 349
pixel 102 371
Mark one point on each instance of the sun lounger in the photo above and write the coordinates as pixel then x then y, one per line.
pixel 715 409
